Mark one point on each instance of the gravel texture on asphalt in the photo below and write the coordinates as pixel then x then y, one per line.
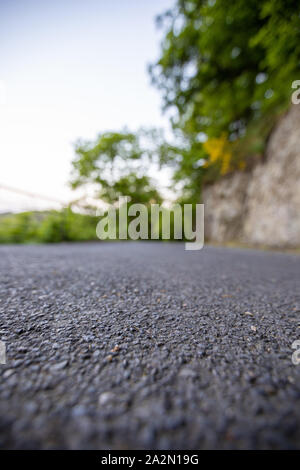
pixel 145 345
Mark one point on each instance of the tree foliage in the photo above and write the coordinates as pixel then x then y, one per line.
pixel 116 163
pixel 224 63
pixel 225 73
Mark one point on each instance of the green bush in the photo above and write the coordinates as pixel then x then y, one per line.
pixel 18 228
pixel 59 226
pixel 47 227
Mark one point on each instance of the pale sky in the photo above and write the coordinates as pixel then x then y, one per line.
pixel 70 69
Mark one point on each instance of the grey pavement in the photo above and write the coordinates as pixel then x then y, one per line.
pixel 145 345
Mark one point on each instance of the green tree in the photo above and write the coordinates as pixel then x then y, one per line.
pixel 117 163
pixel 225 71
pixel 226 63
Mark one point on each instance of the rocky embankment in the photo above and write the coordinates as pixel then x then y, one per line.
pixel 261 207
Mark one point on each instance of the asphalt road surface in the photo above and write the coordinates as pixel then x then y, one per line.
pixel 145 345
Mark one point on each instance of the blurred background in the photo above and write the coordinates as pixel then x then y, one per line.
pixel 163 101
